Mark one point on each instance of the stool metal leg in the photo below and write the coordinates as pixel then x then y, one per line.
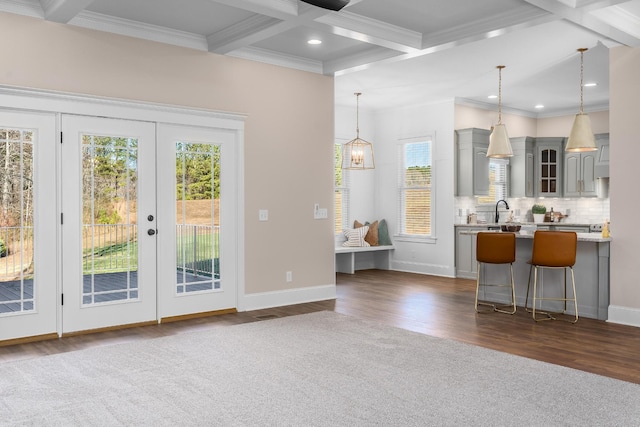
pixel 496 307
pixel 550 315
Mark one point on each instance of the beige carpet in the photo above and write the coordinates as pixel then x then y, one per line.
pixel 320 369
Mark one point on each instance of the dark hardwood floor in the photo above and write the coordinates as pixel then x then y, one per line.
pixel 441 307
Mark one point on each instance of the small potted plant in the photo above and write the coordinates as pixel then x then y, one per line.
pixel 538 212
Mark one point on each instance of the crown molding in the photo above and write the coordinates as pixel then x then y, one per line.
pixel 276 58
pixel 539 115
pixel 126 27
pixel 22 7
pixel 492 107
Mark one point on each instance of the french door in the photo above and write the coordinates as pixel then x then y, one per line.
pixel 197 240
pixel 149 221
pixel 109 222
pixel 28 245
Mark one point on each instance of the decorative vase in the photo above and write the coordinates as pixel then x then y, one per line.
pixel 538 218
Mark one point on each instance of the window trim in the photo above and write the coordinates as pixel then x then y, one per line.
pixel 345 188
pixel 507 184
pixel 400 144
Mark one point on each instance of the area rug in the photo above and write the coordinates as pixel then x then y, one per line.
pixel 319 369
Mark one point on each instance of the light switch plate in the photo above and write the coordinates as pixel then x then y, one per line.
pixel 263 215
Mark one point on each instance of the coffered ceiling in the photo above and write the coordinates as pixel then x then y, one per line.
pixel 396 53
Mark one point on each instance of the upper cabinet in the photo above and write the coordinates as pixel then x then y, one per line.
pixel 472 162
pixel 579 174
pixel 583 169
pixel 522 167
pixel 602 155
pixel 549 167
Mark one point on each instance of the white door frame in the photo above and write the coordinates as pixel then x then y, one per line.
pixel 171 304
pixel 33 100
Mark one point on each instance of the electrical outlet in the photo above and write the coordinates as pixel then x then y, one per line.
pixel 263 215
pixel 289 276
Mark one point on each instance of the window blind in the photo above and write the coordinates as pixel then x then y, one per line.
pixel 341 192
pixel 414 187
pixel 498 181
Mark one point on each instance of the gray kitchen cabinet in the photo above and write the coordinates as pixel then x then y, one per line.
pixel 548 167
pixel 579 174
pixel 472 164
pixel 602 155
pixel 466 265
pixel 521 167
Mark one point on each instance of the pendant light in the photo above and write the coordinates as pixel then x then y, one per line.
pixel 357 154
pixel 499 145
pixel 581 137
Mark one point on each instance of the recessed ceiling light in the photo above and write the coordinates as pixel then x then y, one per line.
pixel 492 96
pixel 314 41
pixel 539 106
pixel 590 84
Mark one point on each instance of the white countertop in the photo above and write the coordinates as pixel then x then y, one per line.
pixel 577 224
pixel 582 237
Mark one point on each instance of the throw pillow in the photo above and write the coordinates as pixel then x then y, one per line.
pixel 383 233
pixel 355 237
pixel 372 234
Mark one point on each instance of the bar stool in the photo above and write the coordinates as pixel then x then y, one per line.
pixel 552 249
pixel 496 248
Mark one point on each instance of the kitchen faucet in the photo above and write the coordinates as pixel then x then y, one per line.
pixel 506 205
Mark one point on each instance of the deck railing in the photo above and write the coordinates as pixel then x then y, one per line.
pixel 197 249
pixel 16 253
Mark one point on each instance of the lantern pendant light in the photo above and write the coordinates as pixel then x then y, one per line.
pixel 357 154
pixel 499 144
pixel 581 137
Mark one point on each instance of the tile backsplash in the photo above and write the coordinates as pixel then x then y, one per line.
pixel 578 210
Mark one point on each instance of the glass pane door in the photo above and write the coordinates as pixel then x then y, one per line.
pixel 197 217
pixel 109 229
pixel 28 278
pixel 197 240
pixel 109 222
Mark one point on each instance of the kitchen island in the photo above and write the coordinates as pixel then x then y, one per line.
pixel 591 273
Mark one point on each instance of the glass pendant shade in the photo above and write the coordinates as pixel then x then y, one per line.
pixel 581 137
pixel 499 144
pixel 357 154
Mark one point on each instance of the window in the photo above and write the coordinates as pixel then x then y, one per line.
pixel 414 187
pixel 341 192
pixel 498 178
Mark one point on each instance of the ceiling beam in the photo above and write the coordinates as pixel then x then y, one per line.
pixel 279 9
pixel 341 67
pixel 63 11
pixel 585 18
pixel 259 27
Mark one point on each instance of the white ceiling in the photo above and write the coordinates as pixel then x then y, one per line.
pixel 396 53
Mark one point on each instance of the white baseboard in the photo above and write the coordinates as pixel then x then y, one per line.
pixel 263 300
pixel 624 315
pixel 423 268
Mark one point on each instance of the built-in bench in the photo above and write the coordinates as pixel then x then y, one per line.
pixel 349 258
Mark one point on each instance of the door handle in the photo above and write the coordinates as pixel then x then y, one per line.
pixel 150 218
pixel 151 232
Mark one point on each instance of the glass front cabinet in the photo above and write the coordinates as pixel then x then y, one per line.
pixel 549 167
